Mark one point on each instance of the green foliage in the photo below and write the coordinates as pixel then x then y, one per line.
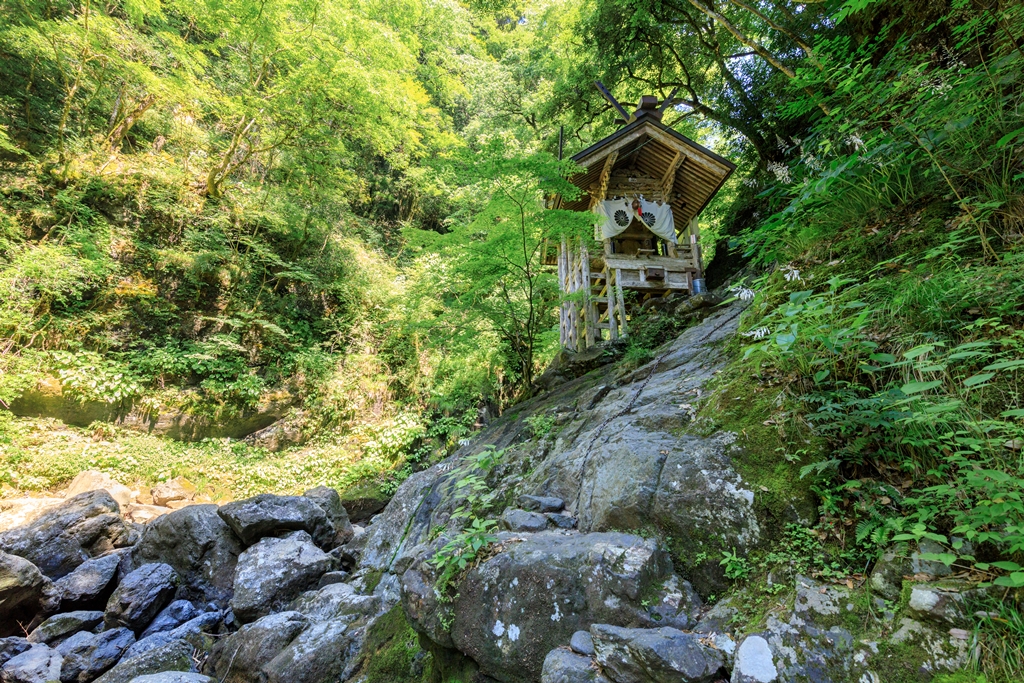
pixel 736 567
pixel 540 425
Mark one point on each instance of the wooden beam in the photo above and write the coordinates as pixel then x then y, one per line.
pixel 626 118
pixel 606 174
pixel 669 179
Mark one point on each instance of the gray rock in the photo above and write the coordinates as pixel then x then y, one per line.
pixel 582 643
pixel 719 619
pixel 333 577
pixel 24 592
pixel 91 583
pixel 173 677
pixel 12 647
pixel 320 654
pixel 39 664
pixel 242 656
pixel 172 616
pixel 754 662
pixel 887 575
pixel 940 604
pixel 517 606
pixel 275 571
pixel 91 480
pixel 805 652
pixel 335 601
pixel 660 655
pixel 541 503
pixel 268 514
pixel 561 521
pixel 194 631
pixel 63 625
pixel 330 502
pixel 562 666
pixel 521 520
pixel 200 547
pixel 140 596
pixel 176 656
pixel 818 603
pixel 87 655
pixel 83 527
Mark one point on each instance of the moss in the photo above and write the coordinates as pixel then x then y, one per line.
pixel 372 579
pixel 742 404
pixel 899 663
pixel 391 650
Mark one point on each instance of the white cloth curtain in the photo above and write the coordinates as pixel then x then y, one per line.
pixel 615 216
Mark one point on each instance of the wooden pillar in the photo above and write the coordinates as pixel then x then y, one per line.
pixel 695 245
pixel 589 310
pixel 621 304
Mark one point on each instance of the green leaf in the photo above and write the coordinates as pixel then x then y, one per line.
pixel 974 380
pixel 1007 566
pixel 945 558
pixel 1014 580
pixel 820 375
pixel 918 387
pixel 1016 412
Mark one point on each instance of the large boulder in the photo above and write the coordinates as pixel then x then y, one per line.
pixel 83 527
pixel 24 593
pixel 60 626
pixel 320 654
pixel 269 514
pixel 38 664
pixel 275 571
pixel 140 596
pixel 200 547
pixel 87 655
pixel 92 480
pixel 514 608
pixel 242 656
pixel 176 656
pixel 336 601
pixel 330 502
pixel 90 584
pixel 658 655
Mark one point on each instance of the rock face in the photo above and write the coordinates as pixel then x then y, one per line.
pixel 61 626
pixel 200 547
pixel 83 527
pixel 176 656
pixel 562 666
pixel 24 592
pixel 268 515
pixel 173 677
pixel 330 502
pixel 662 655
pixel 91 480
pixel 90 584
pixel 243 656
pixel 517 606
pixel 273 572
pixel 172 616
pixel 139 597
pixel 39 664
pixel 87 655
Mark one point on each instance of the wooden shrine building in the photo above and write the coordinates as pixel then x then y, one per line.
pixel 646 185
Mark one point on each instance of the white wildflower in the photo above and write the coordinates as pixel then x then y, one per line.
pixel 759 333
pixel 791 274
pixel 781 171
pixel 744 293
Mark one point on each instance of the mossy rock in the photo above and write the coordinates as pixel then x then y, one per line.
pixel 363 500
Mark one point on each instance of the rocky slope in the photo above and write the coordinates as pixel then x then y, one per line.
pixel 612 512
